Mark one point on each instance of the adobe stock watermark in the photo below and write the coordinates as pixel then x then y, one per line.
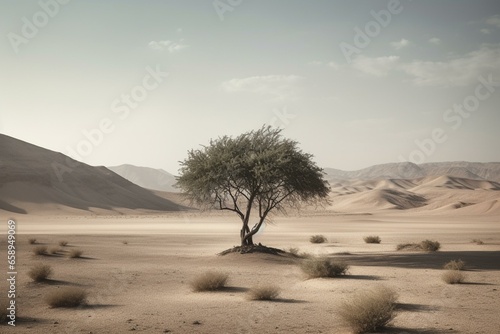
pixel 223 6
pixel 31 26
pixel 454 118
pixel 363 37
pixel 121 108
pixel 282 118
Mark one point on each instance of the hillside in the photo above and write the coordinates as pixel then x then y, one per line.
pixel 34 179
pixel 149 178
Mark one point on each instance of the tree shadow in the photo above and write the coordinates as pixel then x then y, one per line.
pixel 475 260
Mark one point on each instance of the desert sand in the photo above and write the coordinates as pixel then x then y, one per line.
pixel 137 270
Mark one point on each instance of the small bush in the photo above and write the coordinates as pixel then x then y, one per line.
pixel 372 239
pixel 430 246
pixel 294 251
pixel 125 242
pixel 40 250
pixel 455 265
pixel 369 311
pixel 66 297
pixel 209 281
pixel 40 272
pixel 477 241
pixel 323 267
pixel 317 239
pixel 75 253
pixel 453 277
pixel 265 292
pixel 409 247
pixel 32 241
pixel 54 250
pixel 63 243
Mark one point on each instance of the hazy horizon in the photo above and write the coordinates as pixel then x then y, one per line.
pixel 356 84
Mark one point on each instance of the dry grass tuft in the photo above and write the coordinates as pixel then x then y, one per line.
pixel 478 241
pixel 40 272
pixel 264 292
pixel 453 277
pixel 40 250
pixel 66 297
pixel 32 241
pixel 455 265
pixel 317 239
pixel 75 253
pixel 370 310
pixel 372 239
pixel 209 281
pixel 125 242
pixel 430 245
pixel 426 245
pixel 63 243
pixel 54 250
pixel 323 267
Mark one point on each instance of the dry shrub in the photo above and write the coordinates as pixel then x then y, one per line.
pixel 63 243
pixel 32 241
pixel 54 250
pixel 40 272
pixel 477 241
pixel 66 297
pixel 455 265
pixel 368 311
pixel 40 250
pixel 75 253
pixel 430 245
pixel 125 242
pixel 372 239
pixel 323 267
pixel 409 247
pixel 209 281
pixel 317 239
pixel 453 276
pixel 264 292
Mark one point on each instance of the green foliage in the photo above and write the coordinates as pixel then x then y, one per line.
pixel 257 170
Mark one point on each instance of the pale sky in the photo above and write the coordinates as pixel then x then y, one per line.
pixel 357 83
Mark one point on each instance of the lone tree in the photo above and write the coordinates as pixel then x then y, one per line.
pixel 256 172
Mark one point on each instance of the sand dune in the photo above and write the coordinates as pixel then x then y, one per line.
pixel 149 178
pixel 33 179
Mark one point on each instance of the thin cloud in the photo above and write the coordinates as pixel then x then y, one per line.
pixel 380 66
pixel 170 46
pixel 493 20
pixel 280 86
pixel 400 44
pixel 435 41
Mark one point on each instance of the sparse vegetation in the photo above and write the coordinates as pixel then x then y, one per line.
pixel 66 297
pixel 372 239
pixel 63 243
pixel 40 250
pixel 75 253
pixel 317 239
pixel 453 276
pixel 369 311
pixel 455 265
pixel 323 267
pixel 209 281
pixel 430 245
pixel 32 241
pixel 40 272
pixel 426 245
pixel 264 292
pixel 478 241
pixel 54 250
pixel 125 242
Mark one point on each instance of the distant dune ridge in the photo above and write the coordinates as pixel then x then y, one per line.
pixel 149 178
pixel 34 179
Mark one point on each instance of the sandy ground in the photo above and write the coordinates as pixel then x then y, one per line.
pixel 137 271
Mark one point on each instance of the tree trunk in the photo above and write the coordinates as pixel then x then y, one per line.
pixel 245 241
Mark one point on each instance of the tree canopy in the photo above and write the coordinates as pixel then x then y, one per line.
pixel 257 172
